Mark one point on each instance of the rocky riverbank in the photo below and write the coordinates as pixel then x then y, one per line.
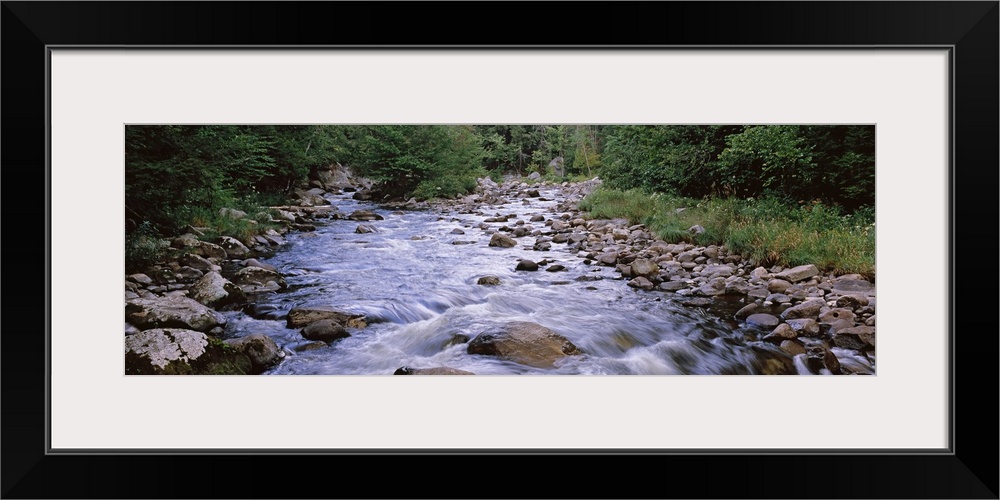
pixel 173 323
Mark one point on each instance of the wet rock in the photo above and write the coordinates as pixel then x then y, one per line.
pixel 437 370
pixel 870 321
pixel 310 346
pixel 792 347
pixel 196 261
pixel 798 273
pixel 555 268
pixel 808 309
pixel 258 279
pixel 778 298
pixel 365 229
pixel 781 333
pixel 502 240
pixel 457 231
pixel 326 330
pixel 364 215
pixel 537 218
pixel 641 283
pixel 859 337
pixel 174 351
pixel 838 325
pixel 525 343
pixel 698 302
pixel 532 193
pixel 140 278
pixel 212 251
pixel 672 286
pixel 806 327
pixel 488 280
pixel 302 316
pixel 542 245
pixel 763 320
pixel 233 247
pixel 608 258
pixel 746 310
pixel 820 357
pixel 526 265
pixel 171 312
pixel 260 349
pixel 213 290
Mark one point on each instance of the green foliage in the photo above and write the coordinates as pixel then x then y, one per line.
pixel 142 248
pixel 768 231
pixel 769 159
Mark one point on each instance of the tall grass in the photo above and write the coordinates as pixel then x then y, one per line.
pixel 767 231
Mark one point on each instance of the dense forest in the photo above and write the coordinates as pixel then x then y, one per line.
pixel 179 175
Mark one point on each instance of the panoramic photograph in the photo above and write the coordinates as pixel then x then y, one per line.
pixel 471 249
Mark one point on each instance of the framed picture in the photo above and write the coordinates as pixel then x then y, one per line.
pixel 924 74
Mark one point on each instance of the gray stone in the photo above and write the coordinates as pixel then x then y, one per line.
pixel 526 265
pixel 717 270
pixel 302 316
pixel 502 240
pixel 608 258
pixel 365 229
pixel 171 312
pixel 364 215
pixel 758 273
pixel 778 298
pixel 213 290
pixel 457 231
pixel 641 283
pixel 140 278
pixel 807 309
pixel 696 229
pixel 212 251
pixel 257 279
pixel 762 319
pixel 859 337
pixel 805 327
pixel 555 268
pixel 260 349
pixel 833 315
pixel 488 280
pixel 196 262
pixel 233 247
pixel 846 286
pixel 746 310
pixel 232 213
pixel 165 347
pixel 257 263
pixel 525 343
pixel 644 267
pixel 672 286
pixel 781 333
pixel 852 301
pixel 778 285
pixel 799 273
pixel 326 330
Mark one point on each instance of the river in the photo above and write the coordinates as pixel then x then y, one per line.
pixel 419 292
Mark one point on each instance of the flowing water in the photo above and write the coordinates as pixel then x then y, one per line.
pixel 418 290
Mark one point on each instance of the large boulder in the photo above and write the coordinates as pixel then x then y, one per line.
pixel 763 319
pixel 171 312
pixel 502 240
pixel 326 330
pixel 807 309
pixel 260 349
pixel 172 351
pixel 525 343
pixel 258 279
pixel 213 290
pixel 233 247
pixel 232 213
pixel 302 316
pixel 644 267
pixel 799 273
pixel 858 337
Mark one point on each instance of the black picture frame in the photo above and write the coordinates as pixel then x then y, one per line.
pixel 969 28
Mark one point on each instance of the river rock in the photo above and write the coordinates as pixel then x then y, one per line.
pixel 232 213
pixel 260 349
pixel 852 301
pixel 798 273
pixel 834 315
pixel 502 240
pixel 844 286
pixel 257 263
pixel 364 215
pixel 859 337
pixel 196 261
pixel 807 309
pixel 175 351
pixel 532 193
pixel 457 231
pixel 326 330
pixel 645 268
pixel 257 279
pixel 488 280
pixel 762 319
pixel 302 316
pixel 713 270
pixel 781 333
pixel 819 357
pixel 233 247
pixel 526 265
pixel 806 327
pixel 437 370
pixel 641 283
pixel 140 278
pixel 698 302
pixel 213 290
pixel 536 218
pixel 672 286
pixel 525 343
pixel 171 312
pixel 186 240
pixel 555 268
pixel 746 310
pixel 758 273
pixel 365 229
pixel 792 347
pixel 608 258
pixel 778 285
pixel 212 251
pixel 542 245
